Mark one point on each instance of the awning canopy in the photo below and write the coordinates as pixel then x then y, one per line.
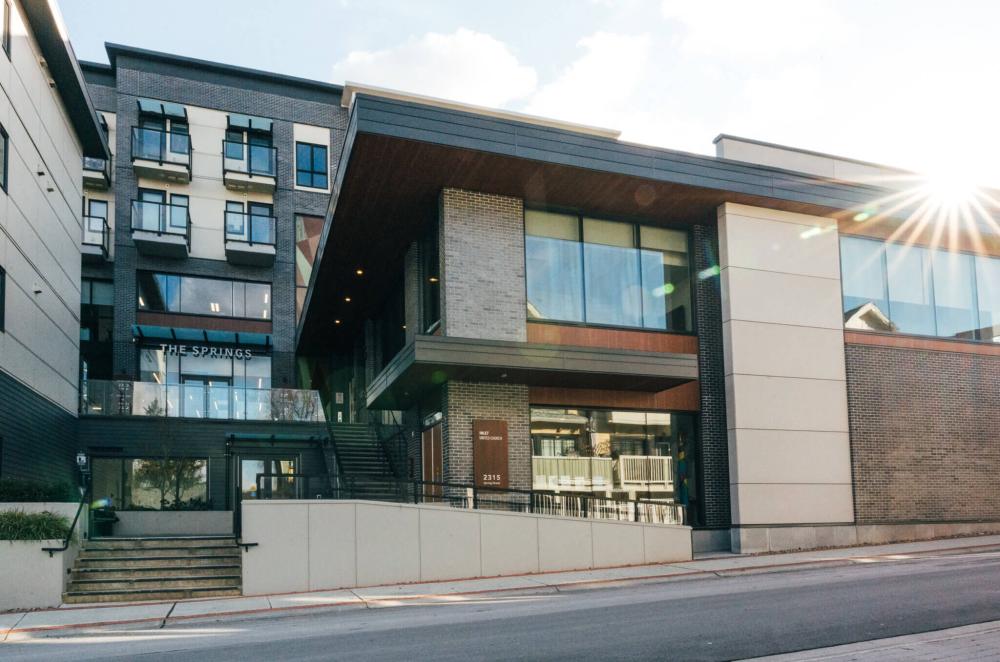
pixel 174 111
pixel 250 123
pixel 181 334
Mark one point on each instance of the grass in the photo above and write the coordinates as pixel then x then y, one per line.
pixel 18 525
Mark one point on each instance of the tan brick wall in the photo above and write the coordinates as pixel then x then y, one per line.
pixel 925 434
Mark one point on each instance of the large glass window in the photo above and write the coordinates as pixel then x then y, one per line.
pixel 606 272
pixel 310 165
pixel 988 288
pixel 614 453
pixel 203 296
pixel 97 313
pixel 912 289
pixel 165 483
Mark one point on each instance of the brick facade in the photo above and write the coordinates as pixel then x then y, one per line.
pixel 925 434
pixel 482 266
pixel 464 402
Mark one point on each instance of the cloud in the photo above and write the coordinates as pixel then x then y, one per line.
pixel 761 28
pixel 465 65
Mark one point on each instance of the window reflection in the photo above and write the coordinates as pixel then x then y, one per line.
pixel 606 272
pixel 912 289
pixel 203 296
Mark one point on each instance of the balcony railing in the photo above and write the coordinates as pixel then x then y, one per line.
pixel 249 159
pixel 96 232
pixel 161 218
pixel 234 403
pixel 97 172
pixel 599 474
pixel 250 228
pixel 163 147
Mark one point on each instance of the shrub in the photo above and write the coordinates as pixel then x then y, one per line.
pixel 18 525
pixel 12 489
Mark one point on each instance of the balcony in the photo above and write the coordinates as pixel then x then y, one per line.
pixel 249 168
pixel 161 230
pixel 250 239
pixel 96 242
pixel 231 403
pixel 162 155
pixel 96 174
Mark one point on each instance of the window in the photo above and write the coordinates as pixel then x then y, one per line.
pixel 97 311
pixel 603 272
pixel 191 295
pixel 430 285
pixel 310 165
pixel 3 298
pixel 6 27
pixel 912 289
pixel 166 483
pixel 4 148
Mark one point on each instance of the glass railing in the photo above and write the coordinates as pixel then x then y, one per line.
pixel 234 403
pixel 161 146
pixel 250 228
pixel 96 232
pixel 249 159
pixel 160 218
pixel 102 166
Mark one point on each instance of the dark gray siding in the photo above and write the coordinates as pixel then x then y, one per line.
pixel 37 437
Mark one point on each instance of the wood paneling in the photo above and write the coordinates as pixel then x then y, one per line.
pixel 203 322
pixel 680 398
pixel 917 342
pixel 583 336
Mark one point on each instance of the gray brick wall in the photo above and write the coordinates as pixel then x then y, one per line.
pixel 482 266
pixel 713 455
pixel 135 79
pixel 925 434
pixel 464 402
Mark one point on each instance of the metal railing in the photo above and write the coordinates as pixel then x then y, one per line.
pixel 84 499
pixel 646 472
pixel 161 218
pixel 473 497
pixel 392 437
pixel 170 147
pixel 102 166
pixel 585 474
pixel 249 159
pixel 97 232
pixel 250 228
pixel 234 403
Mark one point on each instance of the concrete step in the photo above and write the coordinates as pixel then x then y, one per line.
pixel 128 562
pixel 158 542
pixel 162 583
pixel 143 595
pixel 112 573
pixel 89 552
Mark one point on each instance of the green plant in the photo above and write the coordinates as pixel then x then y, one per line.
pixel 16 490
pixel 19 525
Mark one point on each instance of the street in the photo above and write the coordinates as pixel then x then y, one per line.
pixel 718 618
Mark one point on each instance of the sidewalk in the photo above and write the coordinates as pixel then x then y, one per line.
pixel 19 625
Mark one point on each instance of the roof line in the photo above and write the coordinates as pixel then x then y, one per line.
pixel 799 150
pixel 114 50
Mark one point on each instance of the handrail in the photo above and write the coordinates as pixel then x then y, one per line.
pixel 84 497
pixel 399 434
pixel 163 149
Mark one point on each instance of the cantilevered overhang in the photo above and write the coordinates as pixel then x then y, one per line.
pixel 398 154
pixel 430 361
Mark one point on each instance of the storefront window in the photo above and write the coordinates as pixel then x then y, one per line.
pixel 988 286
pixel 167 483
pixel 614 453
pixel 606 272
pixel 203 296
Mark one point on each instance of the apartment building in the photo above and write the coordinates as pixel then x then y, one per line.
pixel 292 289
pixel 47 127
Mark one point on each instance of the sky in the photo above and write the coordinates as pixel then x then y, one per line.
pixel 906 83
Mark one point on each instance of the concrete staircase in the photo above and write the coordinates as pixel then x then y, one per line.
pixel 365 469
pixel 139 569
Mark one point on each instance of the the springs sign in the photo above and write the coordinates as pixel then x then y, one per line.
pixel 207 351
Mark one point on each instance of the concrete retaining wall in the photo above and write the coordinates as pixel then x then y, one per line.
pixel 29 578
pixel 174 523
pixel 793 538
pixel 312 545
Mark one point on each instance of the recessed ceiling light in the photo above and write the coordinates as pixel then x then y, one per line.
pixel 433 279
pixel 360 272
pixel 336 321
pixel 347 299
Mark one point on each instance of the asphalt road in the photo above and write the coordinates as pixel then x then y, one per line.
pixel 719 618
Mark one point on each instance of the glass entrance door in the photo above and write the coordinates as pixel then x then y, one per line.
pixel 206 397
pixel 279 484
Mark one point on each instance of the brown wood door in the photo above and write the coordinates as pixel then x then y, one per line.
pixel 431 458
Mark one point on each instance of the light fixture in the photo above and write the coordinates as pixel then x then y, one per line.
pixel 214 306
pixel 433 279
pixel 347 299
pixel 360 272
pixel 142 302
pixel 336 321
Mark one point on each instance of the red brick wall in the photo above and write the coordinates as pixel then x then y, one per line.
pixel 925 434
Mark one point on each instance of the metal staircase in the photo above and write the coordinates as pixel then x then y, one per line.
pixel 365 468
